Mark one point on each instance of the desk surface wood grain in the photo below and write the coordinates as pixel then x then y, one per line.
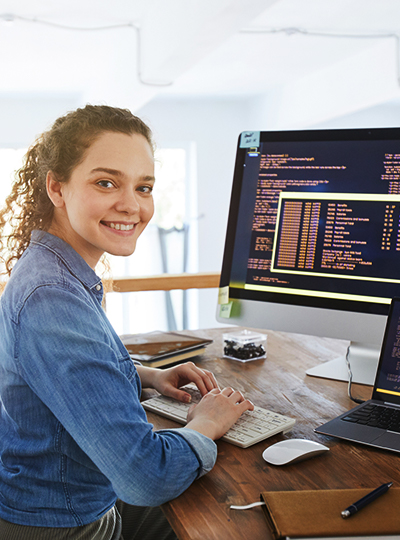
pixel 278 383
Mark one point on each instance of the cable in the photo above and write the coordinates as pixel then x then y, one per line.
pixel 290 31
pixel 356 400
pixel 11 17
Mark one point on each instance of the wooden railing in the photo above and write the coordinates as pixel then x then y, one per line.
pixel 163 282
pixel 166 282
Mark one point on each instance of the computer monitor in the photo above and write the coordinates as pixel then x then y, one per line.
pixel 313 238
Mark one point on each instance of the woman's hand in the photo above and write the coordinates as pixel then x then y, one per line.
pixel 168 381
pixel 217 412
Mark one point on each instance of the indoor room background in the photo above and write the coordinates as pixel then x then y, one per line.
pixel 199 72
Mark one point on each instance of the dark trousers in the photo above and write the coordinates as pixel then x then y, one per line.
pixel 123 522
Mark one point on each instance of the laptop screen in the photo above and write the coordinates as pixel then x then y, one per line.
pixel 387 383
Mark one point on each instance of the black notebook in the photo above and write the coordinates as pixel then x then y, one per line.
pixel 376 422
pixel 158 348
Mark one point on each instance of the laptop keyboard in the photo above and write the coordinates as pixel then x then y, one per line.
pixel 376 416
pixel 251 428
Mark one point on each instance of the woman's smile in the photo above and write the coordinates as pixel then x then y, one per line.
pixel 118 225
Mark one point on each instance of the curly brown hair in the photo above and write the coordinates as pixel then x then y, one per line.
pixel 60 150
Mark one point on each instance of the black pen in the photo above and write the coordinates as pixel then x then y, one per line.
pixel 355 507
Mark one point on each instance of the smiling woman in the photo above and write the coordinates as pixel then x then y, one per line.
pixel 78 458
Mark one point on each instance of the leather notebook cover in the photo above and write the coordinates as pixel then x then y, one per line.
pixel 318 513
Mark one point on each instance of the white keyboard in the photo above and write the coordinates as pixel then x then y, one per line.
pixel 251 428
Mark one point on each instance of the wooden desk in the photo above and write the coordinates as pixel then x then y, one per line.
pixel 278 383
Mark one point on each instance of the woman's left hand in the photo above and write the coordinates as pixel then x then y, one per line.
pixel 168 381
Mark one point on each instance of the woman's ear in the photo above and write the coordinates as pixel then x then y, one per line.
pixel 54 190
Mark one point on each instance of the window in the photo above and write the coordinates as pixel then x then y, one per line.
pixel 10 161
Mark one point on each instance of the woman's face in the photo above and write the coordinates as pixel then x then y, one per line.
pixel 108 201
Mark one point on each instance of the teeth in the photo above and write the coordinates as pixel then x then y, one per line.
pixel 121 226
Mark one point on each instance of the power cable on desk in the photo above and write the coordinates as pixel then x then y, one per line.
pixel 356 400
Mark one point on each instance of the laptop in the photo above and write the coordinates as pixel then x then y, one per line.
pixel 376 422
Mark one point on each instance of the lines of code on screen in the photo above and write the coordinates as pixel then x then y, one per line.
pixel 325 209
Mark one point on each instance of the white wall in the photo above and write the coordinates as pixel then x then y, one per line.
pixel 385 115
pixel 24 117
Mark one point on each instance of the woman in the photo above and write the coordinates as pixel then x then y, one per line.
pixel 74 437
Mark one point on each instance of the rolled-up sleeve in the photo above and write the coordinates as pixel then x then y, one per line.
pixel 204 448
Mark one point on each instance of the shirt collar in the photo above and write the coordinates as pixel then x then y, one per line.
pixel 73 261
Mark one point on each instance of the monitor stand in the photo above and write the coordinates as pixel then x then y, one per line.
pixel 363 360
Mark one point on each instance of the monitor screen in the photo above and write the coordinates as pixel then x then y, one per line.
pixel 314 223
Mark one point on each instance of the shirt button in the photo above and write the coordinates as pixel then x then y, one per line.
pixel 98 287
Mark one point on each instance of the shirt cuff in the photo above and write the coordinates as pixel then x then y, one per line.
pixel 203 447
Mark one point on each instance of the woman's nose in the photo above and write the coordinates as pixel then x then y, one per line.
pixel 128 202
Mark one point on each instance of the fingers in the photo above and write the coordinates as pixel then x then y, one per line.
pixel 204 380
pixel 236 397
pixel 181 395
pixel 246 405
pixel 238 400
pixel 207 383
pixel 217 411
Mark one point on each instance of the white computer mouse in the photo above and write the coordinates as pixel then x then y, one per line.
pixel 292 451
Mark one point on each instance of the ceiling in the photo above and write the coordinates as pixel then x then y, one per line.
pixel 334 56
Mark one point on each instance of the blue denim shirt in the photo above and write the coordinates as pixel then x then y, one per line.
pixel 73 434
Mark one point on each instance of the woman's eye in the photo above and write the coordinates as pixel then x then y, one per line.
pixel 146 189
pixel 105 183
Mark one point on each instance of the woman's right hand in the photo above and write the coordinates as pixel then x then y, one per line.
pixel 217 412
